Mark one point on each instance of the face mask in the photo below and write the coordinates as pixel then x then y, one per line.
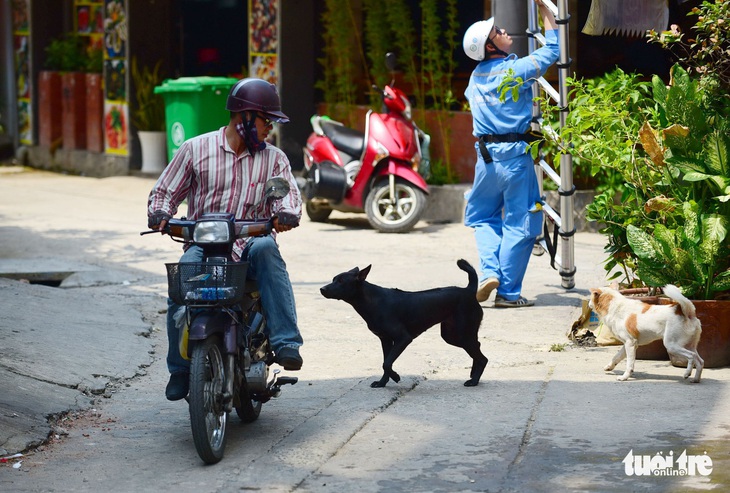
pixel 247 131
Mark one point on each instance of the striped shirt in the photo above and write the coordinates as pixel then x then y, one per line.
pixel 209 174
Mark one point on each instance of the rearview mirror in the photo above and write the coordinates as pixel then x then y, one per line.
pixel 277 188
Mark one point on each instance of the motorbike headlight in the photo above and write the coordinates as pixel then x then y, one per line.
pixel 381 152
pixel 213 232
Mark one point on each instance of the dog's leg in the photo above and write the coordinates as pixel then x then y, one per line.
pixel 616 359
pixel 691 357
pixel 683 348
pixel 477 367
pixel 387 346
pixel 630 346
pixel 398 348
pixel 699 365
pixel 461 331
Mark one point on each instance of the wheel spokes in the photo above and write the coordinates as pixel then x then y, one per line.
pixel 398 209
pixel 215 417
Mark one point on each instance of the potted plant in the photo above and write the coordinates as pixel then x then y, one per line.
pixel 62 55
pixel 94 99
pixel 148 116
pixel 68 56
pixel 670 225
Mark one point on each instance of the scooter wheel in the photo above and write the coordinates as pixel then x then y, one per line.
pixel 398 214
pixel 317 213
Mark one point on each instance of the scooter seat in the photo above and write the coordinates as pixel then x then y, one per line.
pixel 347 140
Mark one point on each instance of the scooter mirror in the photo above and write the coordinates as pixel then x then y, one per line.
pixel 277 188
pixel 390 61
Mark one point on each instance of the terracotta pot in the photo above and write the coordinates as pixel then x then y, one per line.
pixel 49 108
pixel 94 113
pixel 714 346
pixel 74 110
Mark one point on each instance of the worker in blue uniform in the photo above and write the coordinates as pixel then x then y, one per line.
pixel 504 204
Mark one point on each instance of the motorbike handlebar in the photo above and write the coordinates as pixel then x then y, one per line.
pixel 183 228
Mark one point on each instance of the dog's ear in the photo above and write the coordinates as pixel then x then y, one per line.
pixel 364 273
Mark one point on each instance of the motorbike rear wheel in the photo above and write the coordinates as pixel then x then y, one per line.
pixel 248 410
pixel 207 411
pixel 397 214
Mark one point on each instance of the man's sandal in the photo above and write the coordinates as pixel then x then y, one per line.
pixel 518 303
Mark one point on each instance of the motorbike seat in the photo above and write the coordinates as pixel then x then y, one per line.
pixel 347 140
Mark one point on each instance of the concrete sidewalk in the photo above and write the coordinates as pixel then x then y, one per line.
pixel 544 418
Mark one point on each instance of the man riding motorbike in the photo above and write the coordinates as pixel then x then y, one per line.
pixel 224 171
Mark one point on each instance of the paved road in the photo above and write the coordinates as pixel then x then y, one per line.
pixel 540 420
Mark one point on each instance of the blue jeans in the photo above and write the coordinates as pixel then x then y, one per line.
pixel 501 209
pixel 267 267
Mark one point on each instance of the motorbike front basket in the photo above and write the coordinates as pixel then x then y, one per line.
pixel 205 283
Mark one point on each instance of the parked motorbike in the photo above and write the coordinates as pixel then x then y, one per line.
pixel 376 172
pixel 224 333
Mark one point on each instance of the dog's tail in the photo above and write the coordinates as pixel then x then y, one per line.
pixel 473 278
pixel 688 309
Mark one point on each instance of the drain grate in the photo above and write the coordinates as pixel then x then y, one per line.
pixel 52 279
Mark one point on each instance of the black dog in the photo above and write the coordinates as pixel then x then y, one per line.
pixel 397 317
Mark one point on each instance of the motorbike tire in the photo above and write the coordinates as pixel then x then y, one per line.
pixel 401 217
pixel 248 410
pixel 316 213
pixel 208 417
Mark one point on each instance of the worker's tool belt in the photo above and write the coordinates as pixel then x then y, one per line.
pixel 528 137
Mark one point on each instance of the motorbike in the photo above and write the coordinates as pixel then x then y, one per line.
pixel 376 171
pixel 223 334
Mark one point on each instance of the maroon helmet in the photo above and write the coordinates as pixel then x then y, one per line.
pixel 251 94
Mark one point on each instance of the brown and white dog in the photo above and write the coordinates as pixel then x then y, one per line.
pixel 636 323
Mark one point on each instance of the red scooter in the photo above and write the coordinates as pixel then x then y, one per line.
pixel 376 172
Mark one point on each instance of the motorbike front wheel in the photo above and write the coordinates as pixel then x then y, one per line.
pixel 317 213
pixel 398 213
pixel 207 411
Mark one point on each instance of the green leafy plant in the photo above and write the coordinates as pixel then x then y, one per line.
pixel 66 54
pixel 671 223
pixel 705 51
pixel 95 61
pixel 437 68
pixel 149 113
pixel 341 36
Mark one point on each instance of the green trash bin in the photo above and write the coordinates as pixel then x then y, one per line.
pixel 193 106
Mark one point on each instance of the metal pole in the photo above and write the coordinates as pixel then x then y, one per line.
pixel 567 189
pixel 8 98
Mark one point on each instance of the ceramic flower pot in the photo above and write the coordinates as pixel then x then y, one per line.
pixel 154 151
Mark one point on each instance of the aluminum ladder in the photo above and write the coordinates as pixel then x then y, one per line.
pixel 562 258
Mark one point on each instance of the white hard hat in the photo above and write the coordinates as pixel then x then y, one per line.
pixel 476 37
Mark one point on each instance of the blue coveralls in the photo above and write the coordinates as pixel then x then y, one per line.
pixel 508 185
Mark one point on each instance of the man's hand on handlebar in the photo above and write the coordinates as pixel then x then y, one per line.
pixel 285 222
pixel 158 220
